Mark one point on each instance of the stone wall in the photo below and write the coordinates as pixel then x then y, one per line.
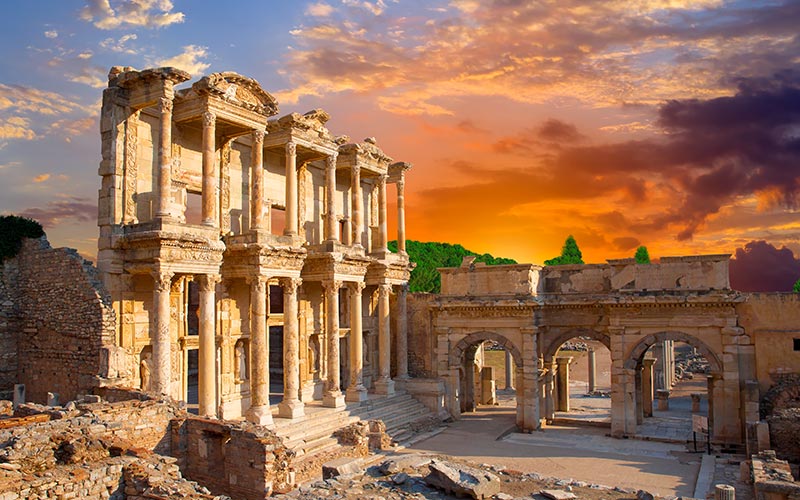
pixel 421 341
pixel 65 323
pixel 8 327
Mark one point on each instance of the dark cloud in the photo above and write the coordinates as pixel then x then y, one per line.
pixel 760 267
pixel 625 243
pixel 57 211
pixel 551 134
pixel 558 131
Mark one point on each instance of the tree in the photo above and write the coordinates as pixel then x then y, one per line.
pixel 570 254
pixel 796 287
pixel 642 256
pixel 12 229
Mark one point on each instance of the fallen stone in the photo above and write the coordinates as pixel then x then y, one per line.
pixel 557 494
pixel 462 480
pixel 397 464
pixel 400 478
pixel 341 467
pixel 644 495
pixel 503 496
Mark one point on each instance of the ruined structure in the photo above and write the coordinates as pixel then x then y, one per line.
pixel 242 247
pixel 749 340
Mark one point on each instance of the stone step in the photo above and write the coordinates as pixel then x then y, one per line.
pixel 315 446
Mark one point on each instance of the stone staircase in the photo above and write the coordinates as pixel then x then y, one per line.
pixel 312 435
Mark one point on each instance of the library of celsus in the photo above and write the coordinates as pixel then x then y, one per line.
pixel 256 247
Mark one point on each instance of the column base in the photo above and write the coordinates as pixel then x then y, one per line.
pixel 384 386
pixel 356 394
pixel 291 409
pixel 333 400
pixel 260 415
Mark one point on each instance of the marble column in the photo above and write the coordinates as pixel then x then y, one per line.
pixel 382 215
pixel 563 383
pixel 384 384
pixel 209 169
pixel 162 364
pixel 356 392
pixel 257 186
pixel 592 371
pixel 291 189
pixel 291 406
pixel 401 214
pixel 331 221
pixel 163 208
pixel 647 386
pixel 333 397
pixel 259 412
pixel 358 206
pixel 207 355
pixel 509 371
pixel 401 355
pixel 550 391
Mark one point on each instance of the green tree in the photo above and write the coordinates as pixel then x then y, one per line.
pixel 796 287
pixel 570 254
pixel 642 255
pixel 12 229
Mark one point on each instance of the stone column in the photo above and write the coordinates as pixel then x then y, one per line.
pixel 638 394
pixel 257 187
pixel 401 215
pixel 291 190
pixel 331 222
pixel 259 412
pixel 358 206
pixel 382 209
pixel 291 406
pixel 647 386
pixel 659 368
pixel 356 392
pixel 509 374
pixel 384 384
pixel 550 392
pixel 402 332
pixel 207 355
pixel 592 371
pixel 164 200
pixel 332 398
pixel 469 382
pixel 162 364
pixel 563 383
pixel 209 170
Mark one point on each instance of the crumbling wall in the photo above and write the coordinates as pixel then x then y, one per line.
pixel 8 327
pixel 240 460
pixel 65 322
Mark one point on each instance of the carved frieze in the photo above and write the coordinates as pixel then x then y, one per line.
pixel 131 168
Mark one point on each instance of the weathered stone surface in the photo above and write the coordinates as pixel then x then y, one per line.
pixel 341 467
pixel 397 464
pixel 557 494
pixel 462 480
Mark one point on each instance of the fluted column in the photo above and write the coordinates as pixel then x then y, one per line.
pixel 207 355
pixel 162 368
pixel 331 223
pixel 358 206
pixel 356 392
pixel 291 190
pixel 332 397
pixel 402 332
pixel 164 200
pixel 384 384
pixel 384 231
pixel 291 406
pixel 401 214
pixel 209 169
pixel 259 412
pixel 257 170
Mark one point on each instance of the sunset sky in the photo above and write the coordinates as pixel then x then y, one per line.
pixel 669 123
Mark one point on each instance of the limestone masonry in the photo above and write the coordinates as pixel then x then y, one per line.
pixel 246 322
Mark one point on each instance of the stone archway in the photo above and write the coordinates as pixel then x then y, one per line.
pixel 457 353
pixel 634 359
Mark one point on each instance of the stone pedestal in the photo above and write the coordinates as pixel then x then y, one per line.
pixel 563 383
pixel 19 395
pixel 663 399
pixel 647 386
pixel 488 392
pixel 724 492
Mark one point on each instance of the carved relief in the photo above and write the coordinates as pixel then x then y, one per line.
pixel 131 170
pixel 225 188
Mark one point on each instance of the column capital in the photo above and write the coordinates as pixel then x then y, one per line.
pixel 291 148
pixel 259 281
pixel 356 169
pixel 209 119
pixel 403 288
pixel 163 280
pixel 382 179
pixel 357 286
pixel 330 160
pixel 401 183
pixel 331 285
pixel 384 290
pixel 290 285
pixel 208 282
pixel 165 105
pixel 258 136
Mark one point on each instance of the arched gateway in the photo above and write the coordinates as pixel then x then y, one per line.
pixel 629 308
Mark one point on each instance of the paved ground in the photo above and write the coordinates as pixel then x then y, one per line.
pixel 580 453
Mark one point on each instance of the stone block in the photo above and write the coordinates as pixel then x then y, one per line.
pixel 557 494
pixel 341 467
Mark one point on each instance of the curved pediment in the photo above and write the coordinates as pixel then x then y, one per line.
pixel 238 89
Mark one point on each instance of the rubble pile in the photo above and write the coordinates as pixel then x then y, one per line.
pixel 688 364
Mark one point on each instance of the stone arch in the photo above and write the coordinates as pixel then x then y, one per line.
pixel 637 353
pixel 457 353
pixel 555 342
